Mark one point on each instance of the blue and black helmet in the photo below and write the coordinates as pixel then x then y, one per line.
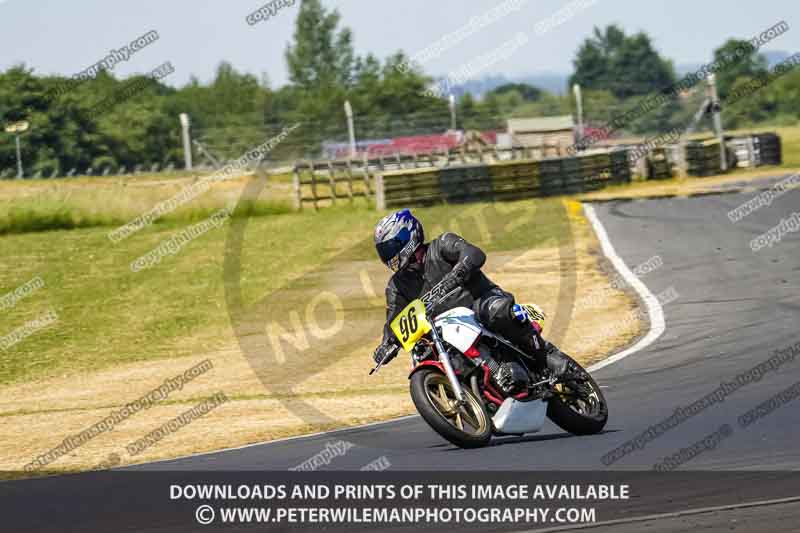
pixel 397 237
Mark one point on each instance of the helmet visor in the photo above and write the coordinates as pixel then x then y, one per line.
pixel 388 250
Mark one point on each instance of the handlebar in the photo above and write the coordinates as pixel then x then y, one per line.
pixel 394 349
pixel 431 299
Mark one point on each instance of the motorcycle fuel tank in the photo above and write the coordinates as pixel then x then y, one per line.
pixel 459 327
pixel 514 416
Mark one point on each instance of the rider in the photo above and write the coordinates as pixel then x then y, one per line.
pixel 417 266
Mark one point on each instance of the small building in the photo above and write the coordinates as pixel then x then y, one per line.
pixel 550 136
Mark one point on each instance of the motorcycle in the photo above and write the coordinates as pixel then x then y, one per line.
pixel 469 383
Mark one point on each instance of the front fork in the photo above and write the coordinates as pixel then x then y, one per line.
pixel 444 358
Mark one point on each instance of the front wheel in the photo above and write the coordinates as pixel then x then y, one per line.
pixel 578 405
pixel 466 426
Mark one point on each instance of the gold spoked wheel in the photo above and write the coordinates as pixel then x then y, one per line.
pixel 468 417
pixel 578 405
pixel 584 400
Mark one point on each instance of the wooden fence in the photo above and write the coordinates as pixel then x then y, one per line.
pixel 325 180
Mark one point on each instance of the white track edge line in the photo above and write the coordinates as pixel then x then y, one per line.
pixel 662 516
pixel 653 306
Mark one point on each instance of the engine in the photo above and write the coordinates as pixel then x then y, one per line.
pixel 510 376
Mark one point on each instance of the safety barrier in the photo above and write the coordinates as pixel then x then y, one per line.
pixel 512 180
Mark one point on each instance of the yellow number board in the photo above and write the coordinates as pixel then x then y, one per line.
pixel 411 324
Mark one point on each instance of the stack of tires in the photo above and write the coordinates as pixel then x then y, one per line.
pixel 596 171
pixel 768 148
pixel 658 167
pixel 703 158
pixel 465 184
pixel 515 180
pixel 620 167
pixel 551 177
pixel 572 176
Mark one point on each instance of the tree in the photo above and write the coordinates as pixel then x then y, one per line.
pixel 529 93
pixel 785 92
pixel 739 60
pixel 624 65
pixel 62 132
pixel 134 130
pixel 754 108
pixel 320 57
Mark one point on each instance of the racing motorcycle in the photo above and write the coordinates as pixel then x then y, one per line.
pixel 469 383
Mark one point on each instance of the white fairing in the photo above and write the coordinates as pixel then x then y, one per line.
pixel 520 417
pixel 459 327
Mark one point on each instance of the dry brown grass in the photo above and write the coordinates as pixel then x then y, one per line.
pixel 37 416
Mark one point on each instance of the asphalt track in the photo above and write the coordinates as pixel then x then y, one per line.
pixel 734 308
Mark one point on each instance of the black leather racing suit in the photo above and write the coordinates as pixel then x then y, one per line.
pixel 490 303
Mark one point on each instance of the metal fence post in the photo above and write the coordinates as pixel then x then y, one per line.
pixel 187 145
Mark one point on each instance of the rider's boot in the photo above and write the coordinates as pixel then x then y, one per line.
pixel 555 359
pixel 545 353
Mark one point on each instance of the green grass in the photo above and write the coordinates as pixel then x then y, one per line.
pixel 54 211
pixel 109 315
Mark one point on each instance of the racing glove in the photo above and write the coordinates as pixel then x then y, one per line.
pixel 529 313
pixel 458 276
pixel 385 353
pixel 520 313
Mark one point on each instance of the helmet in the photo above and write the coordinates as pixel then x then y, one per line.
pixel 397 237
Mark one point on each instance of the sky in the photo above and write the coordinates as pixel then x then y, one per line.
pixel 67 36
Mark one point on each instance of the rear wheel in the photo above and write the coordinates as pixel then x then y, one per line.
pixel 578 404
pixel 467 425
